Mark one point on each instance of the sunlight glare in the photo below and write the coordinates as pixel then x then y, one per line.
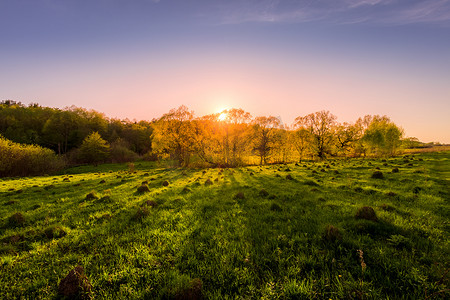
pixel 222 116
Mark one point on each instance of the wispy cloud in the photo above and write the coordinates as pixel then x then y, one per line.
pixel 337 11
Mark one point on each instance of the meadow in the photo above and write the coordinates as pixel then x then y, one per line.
pixel 292 231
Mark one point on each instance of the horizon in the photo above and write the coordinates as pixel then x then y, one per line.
pixel 139 59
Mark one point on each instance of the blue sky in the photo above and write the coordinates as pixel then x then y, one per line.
pixel 140 58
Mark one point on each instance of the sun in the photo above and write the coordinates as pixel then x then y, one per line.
pixel 223 115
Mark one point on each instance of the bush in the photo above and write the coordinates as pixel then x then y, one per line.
pixel 27 160
pixel 120 153
pixel 94 149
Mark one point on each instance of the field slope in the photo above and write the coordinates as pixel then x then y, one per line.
pixel 273 232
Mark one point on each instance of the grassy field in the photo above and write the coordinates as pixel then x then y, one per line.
pixel 270 232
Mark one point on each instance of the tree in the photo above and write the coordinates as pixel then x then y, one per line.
pixel 61 130
pixel 301 140
pixel 264 130
pixel 382 136
pixel 173 135
pixel 346 137
pixel 320 126
pixel 94 149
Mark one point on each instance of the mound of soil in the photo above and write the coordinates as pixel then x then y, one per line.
pixel 239 195
pixel 150 203
pixel 366 213
pixel 92 196
pixel 75 285
pixel 143 189
pixel 377 175
pixel 17 219
pixel 191 292
pixel 332 233
pixel 263 193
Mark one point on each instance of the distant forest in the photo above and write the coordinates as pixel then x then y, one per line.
pixel 231 138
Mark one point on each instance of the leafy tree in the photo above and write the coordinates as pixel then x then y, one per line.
pixel 301 140
pixel 382 136
pixel 346 137
pixel 320 125
pixel 173 135
pixel 264 130
pixel 94 149
pixel 61 130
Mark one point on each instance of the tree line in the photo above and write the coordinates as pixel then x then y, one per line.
pixel 63 130
pixel 230 138
pixel 233 138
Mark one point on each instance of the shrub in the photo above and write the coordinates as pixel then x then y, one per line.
pixel 366 213
pixel 165 183
pixel 94 149
pixel 120 152
pixel 289 177
pixel 208 182
pixel 26 160
pixel 395 170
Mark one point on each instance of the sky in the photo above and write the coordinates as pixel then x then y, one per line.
pixel 138 59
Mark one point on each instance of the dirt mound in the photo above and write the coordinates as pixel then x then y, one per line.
pixel 75 285
pixel 366 213
pixel 143 189
pixel 192 292
pixel 150 203
pixel 332 233
pixel 92 196
pixel 17 219
pixel 239 195
pixel 263 193
pixel 377 175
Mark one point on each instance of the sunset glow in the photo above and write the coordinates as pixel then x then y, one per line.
pixel 222 116
pixel 139 59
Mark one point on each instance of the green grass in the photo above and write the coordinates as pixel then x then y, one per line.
pixel 254 245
